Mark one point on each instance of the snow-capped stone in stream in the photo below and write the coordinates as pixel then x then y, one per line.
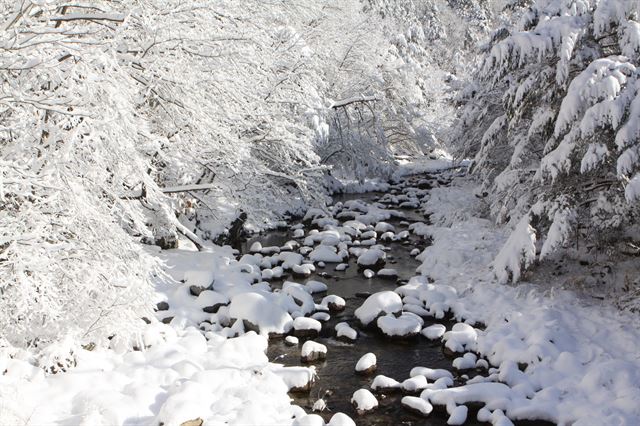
pixel 387 236
pixel 372 258
pixel 303 270
pixel 415 384
pixel 313 351
pixel 363 401
pixel 259 313
pixel 382 227
pixel 388 273
pixel 366 364
pixel 210 301
pixel 289 259
pixel 333 303
pixel 342 266
pixel 341 419
pixel 255 247
pixel 458 415
pixel 434 332
pixel 431 373
pixel 415 252
pixel 306 327
pixel 384 384
pixel 381 303
pixel 403 235
pixel 326 253
pixel 291 340
pixel 298 233
pixel 315 287
pixel 345 332
pixel 465 362
pixel 321 316
pixel 368 273
pixel 417 405
pixel 406 325
pixel 461 338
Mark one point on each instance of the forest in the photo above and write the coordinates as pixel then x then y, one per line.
pixel 319 212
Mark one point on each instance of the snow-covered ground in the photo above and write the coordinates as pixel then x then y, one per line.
pixel 538 353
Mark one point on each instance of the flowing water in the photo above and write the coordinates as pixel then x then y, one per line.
pixel 336 379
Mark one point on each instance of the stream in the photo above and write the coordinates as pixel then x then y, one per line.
pixel 336 379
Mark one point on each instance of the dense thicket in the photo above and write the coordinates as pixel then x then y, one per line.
pixel 552 121
pixel 132 122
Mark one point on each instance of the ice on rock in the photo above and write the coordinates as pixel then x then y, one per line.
pixel 417 405
pixel 461 338
pixel 341 419
pixel 381 303
pixel 366 364
pixel 313 351
pixel 465 362
pixel 363 401
pixel 406 325
pixel 345 332
pixel 374 257
pixel 368 273
pixel 458 415
pixel 383 383
pixel 434 332
pixel 260 313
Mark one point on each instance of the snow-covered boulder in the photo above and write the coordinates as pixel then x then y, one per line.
pixel 306 327
pixel 364 401
pixel 260 314
pixel 406 325
pixel 345 332
pixel 381 303
pixel 434 332
pixel 461 338
pixel 374 258
pixel 388 273
pixel 384 384
pixel 417 405
pixel 341 419
pixel 313 351
pixel 367 364
pixel 211 301
pixel 327 254
pixel 334 303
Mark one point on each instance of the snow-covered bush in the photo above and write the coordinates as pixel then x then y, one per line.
pixel 552 121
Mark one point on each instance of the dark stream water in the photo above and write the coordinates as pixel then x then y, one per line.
pixel 336 379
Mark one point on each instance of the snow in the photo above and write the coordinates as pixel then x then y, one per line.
pixel 363 400
pixel 312 351
pixel 368 273
pixel 465 362
pixel 260 311
pixel 381 382
pixel 366 362
pixel 315 286
pixel 458 415
pixel 372 257
pixel 384 302
pixel 434 332
pixel 326 253
pixel 417 404
pixel 341 419
pixel 461 337
pixel 333 302
pixel 387 273
pixel 407 324
pixel 344 330
pixel 304 323
pixel 291 340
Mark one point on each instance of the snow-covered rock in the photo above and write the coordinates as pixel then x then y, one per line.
pixel 385 384
pixel 345 332
pixel 387 273
pixel 406 325
pixel 417 405
pixel 366 364
pixel 259 313
pixel 306 327
pixel 341 419
pixel 372 258
pixel 461 338
pixel 458 415
pixel 434 332
pixel 381 303
pixel 313 351
pixel 363 401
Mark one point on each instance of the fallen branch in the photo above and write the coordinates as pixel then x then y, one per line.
pixel 113 17
pixel 187 188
